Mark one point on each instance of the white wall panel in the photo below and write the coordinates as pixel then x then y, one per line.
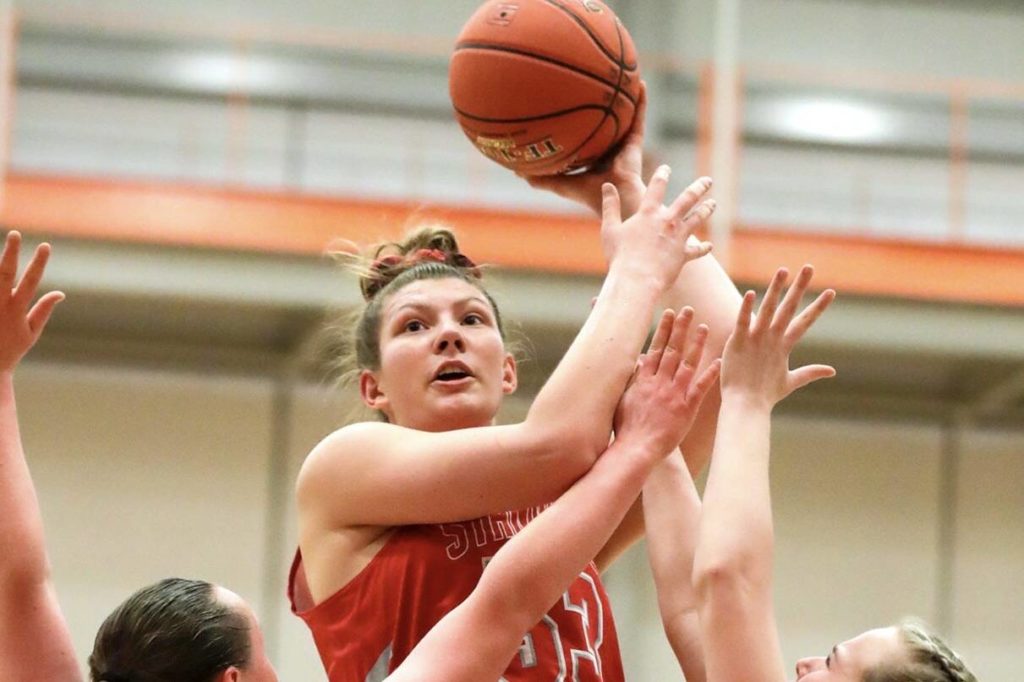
pixel 988 589
pixel 857 528
pixel 143 476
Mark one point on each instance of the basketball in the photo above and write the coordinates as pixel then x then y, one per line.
pixel 544 86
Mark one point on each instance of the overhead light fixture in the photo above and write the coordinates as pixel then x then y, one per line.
pixel 834 121
pixel 222 72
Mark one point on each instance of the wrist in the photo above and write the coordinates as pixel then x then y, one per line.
pixel 636 446
pixel 747 399
pixel 627 274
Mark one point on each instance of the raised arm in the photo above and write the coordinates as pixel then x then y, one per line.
pixel 703 284
pixel 391 475
pixel 733 564
pixel 672 510
pixel 530 572
pixel 35 643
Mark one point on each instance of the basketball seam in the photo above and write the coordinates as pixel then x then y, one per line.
pixel 527 119
pixel 608 114
pixel 544 58
pixel 609 111
pixel 620 61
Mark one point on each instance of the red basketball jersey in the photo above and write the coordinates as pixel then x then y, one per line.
pixel 368 627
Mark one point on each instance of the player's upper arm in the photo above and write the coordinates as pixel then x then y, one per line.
pixel 381 474
pixel 35 643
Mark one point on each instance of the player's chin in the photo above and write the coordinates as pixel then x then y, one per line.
pixel 464 410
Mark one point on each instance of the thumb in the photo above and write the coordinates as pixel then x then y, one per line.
pixel 40 313
pixel 802 376
pixel 611 208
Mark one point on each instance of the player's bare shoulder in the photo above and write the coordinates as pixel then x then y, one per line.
pixel 337 461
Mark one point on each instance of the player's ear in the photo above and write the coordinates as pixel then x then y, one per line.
pixel 509 375
pixel 231 674
pixel 371 391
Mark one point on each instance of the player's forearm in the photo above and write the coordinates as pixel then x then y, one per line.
pixel 672 510
pixel 705 285
pixel 22 547
pixel 535 566
pixel 683 632
pixel 736 537
pixel 577 402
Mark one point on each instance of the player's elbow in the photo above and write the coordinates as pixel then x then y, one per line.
pixel 724 577
pixel 564 452
pixel 24 573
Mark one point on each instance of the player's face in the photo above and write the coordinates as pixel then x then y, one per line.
pixel 259 668
pixel 850 660
pixel 443 363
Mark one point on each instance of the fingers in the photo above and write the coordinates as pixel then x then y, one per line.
pixel 699 389
pixel 791 301
pixel 698 217
pixel 673 353
pixel 800 377
pixel 9 261
pixel 798 327
pixel 26 289
pixel 688 198
pixel 770 301
pixel 697 249
pixel 636 133
pixel 693 355
pixel 661 334
pixel 611 207
pixel 41 311
pixel 656 188
pixel 746 310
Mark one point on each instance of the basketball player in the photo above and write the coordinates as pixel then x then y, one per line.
pixel 730 585
pixel 398 517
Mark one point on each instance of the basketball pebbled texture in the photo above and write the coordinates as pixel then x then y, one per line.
pixel 544 86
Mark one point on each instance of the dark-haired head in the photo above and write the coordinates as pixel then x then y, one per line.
pixel 180 630
pixel 429 273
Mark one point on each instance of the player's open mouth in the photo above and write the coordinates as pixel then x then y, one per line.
pixel 452 372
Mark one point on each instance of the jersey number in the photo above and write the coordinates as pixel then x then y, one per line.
pixel 583 601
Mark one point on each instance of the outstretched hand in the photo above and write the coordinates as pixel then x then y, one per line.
pixel 660 403
pixel 755 362
pixel 20 326
pixel 623 169
pixel 657 237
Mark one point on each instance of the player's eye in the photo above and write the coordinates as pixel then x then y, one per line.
pixel 413 326
pixel 473 318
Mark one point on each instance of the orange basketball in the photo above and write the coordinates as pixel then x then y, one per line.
pixel 544 86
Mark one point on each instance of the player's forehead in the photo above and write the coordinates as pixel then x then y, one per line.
pixel 872 647
pixel 434 294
